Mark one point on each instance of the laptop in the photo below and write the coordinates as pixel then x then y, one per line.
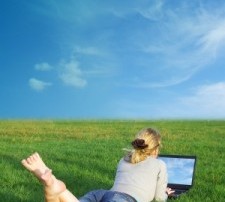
pixel 181 172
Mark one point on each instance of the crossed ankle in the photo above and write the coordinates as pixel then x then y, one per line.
pixel 54 188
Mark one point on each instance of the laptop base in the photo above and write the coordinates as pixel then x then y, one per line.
pixel 176 194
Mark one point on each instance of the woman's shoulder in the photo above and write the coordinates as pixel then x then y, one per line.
pixel 149 161
pixel 162 163
pixel 156 161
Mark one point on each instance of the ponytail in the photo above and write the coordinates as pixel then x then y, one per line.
pixel 147 141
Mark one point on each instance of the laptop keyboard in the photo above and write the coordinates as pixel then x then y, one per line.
pixel 179 191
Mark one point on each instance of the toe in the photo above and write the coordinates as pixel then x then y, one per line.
pixel 36 156
pixel 29 160
pixel 32 157
pixel 24 162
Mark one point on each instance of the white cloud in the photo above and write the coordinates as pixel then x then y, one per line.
pixel 38 85
pixel 43 67
pixel 71 74
pixel 207 100
pixel 88 51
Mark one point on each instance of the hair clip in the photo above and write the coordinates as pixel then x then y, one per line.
pixel 139 144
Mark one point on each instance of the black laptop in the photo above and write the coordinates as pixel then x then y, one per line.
pixel 181 171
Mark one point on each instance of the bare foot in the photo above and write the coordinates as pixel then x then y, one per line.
pixel 55 190
pixel 35 165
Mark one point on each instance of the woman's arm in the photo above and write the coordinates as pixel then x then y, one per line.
pixel 161 185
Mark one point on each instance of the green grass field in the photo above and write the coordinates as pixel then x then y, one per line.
pixel 84 154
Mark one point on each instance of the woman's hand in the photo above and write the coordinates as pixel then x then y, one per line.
pixel 169 191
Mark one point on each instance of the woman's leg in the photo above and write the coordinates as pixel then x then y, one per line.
pixel 55 190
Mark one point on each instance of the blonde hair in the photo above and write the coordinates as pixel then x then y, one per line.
pixel 146 143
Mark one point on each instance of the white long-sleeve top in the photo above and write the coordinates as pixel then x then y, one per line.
pixel 145 181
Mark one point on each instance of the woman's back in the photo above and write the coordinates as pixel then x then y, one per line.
pixel 144 181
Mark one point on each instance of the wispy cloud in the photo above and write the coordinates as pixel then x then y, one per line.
pixel 71 74
pixel 165 46
pixel 185 41
pixel 43 67
pixel 88 51
pixel 214 39
pixel 153 11
pixel 68 11
pixel 207 100
pixel 38 85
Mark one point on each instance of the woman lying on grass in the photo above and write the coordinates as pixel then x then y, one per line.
pixel 140 176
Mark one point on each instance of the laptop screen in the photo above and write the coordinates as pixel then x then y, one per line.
pixel 180 169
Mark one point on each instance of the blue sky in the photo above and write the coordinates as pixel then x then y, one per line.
pixel 132 59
